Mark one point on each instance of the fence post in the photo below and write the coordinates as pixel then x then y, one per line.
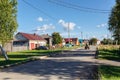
pixel 96 53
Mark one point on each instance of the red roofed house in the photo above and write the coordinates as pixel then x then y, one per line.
pixel 28 41
pixel 73 41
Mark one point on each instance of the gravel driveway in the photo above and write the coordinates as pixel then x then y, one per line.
pixel 70 65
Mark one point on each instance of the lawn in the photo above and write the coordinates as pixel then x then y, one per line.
pixel 17 57
pixel 109 52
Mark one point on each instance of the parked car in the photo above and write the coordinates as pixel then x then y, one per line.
pixel 68 45
pixel 42 48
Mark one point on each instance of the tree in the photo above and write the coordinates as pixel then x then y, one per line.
pixel 114 21
pixel 56 38
pixel 107 41
pixel 8 21
pixel 93 41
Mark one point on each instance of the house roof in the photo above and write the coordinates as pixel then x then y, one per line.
pixel 71 39
pixel 31 36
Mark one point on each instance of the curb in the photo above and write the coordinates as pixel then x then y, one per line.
pixel 34 58
pixel 18 63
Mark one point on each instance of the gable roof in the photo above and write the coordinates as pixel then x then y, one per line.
pixel 31 36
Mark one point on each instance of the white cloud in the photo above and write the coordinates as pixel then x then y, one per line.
pixel 66 24
pixel 72 35
pixel 45 27
pixel 40 19
pixel 102 25
pixel 94 36
pixel 79 27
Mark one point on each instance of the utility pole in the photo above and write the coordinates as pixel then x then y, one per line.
pixel 69 32
pixel 81 35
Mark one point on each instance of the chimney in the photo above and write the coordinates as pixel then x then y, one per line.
pixel 34 34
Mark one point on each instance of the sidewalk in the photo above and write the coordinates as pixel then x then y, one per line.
pixel 108 62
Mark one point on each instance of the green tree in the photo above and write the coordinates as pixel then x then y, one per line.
pixel 93 41
pixel 8 21
pixel 114 21
pixel 107 41
pixel 56 38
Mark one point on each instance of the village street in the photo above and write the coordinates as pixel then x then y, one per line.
pixel 69 65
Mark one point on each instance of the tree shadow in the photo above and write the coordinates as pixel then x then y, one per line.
pixel 73 54
pixel 72 69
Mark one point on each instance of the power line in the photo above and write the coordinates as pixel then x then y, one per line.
pixel 39 10
pixel 80 6
pixel 76 7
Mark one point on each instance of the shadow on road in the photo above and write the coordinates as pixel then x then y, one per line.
pixel 64 69
pixel 70 69
pixel 73 54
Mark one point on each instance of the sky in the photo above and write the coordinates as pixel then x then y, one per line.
pixel 84 18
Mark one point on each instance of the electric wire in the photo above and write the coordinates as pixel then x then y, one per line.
pixel 76 7
pixel 38 9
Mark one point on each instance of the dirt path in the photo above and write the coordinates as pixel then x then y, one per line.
pixel 70 65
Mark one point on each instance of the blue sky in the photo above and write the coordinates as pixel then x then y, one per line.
pixel 55 17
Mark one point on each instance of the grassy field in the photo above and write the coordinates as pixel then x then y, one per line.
pixel 109 52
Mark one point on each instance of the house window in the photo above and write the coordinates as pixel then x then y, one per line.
pixel 19 43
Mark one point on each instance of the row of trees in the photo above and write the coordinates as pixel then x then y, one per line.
pixel 57 39
pixel 105 41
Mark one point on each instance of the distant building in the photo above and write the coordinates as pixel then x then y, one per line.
pixel 48 38
pixel 26 41
pixel 98 42
pixel 73 41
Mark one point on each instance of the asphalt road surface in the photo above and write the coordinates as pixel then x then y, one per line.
pixel 69 65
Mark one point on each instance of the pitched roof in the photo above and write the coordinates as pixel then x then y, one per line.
pixel 31 36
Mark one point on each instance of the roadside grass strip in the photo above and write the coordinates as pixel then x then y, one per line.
pixel 109 72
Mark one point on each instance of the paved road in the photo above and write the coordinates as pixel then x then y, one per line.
pixel 70 65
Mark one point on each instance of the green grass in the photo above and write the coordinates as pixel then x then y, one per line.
pixel 109 55
pixel 109 72
pixel 16 57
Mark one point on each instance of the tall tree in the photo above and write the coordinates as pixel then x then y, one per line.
pixel 93 41
pixel 8 21
pixel 56 38
pixel 114 21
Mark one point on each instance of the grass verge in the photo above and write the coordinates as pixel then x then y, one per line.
pixel 109 52
pixel 17 57
pixel 109 72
